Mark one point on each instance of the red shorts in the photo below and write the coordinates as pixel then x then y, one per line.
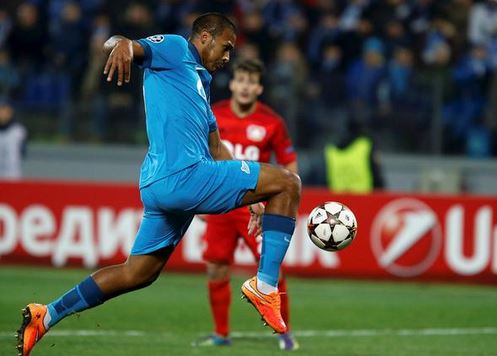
pixel 223 233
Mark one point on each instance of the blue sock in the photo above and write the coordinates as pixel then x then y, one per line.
pixel 277 232
pixel 85 295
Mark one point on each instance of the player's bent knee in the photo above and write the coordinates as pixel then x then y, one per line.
pixel 294 185
pixel 218 271
pixel 139 278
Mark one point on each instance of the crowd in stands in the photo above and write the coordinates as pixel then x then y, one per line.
pixel 418 74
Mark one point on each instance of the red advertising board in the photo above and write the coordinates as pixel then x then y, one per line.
pixel 402 236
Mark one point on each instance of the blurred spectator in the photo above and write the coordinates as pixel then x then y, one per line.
pixel 352 42
pixel 404 105
pixel 330 111
pixel 91 89
pixel 185 26
pixel 363 81
pixel 315 9
pixel 327 31
pixel 5 26
pixel 137 21
pixel 122 107
pixel 254 30
pixel 395 36
pixel 400 73
pixel 352 14
pixel 490 114
pixel 285 20
pixel 287 77
pixel 68 51
pixel 248 51
pixel 12 142
pixel 384 12
pixel 9 79
pixel 471 75
pixel 170 13
pixel 353 163
pixel 482 22
pixel 27 39
pixel 223 6
pixel 437 50
pixel 421 15
pixel 457 14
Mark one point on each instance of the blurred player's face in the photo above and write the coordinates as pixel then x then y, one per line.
pixel 245 87
pixel 215 52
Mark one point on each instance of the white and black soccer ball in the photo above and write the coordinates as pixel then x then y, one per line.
pixel 331 226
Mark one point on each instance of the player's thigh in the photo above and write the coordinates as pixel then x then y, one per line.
pixel 272 180
pixel 158 228
pixel 220 239
pixel 211 187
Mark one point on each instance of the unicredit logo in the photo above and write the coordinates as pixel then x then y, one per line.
pixel 406 237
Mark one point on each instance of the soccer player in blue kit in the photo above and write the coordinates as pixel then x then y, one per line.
pixel 187 171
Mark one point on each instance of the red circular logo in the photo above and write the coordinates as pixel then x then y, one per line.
pixel 406 237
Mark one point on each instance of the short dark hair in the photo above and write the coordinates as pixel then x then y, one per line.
pixel 213 22
pixel 249 65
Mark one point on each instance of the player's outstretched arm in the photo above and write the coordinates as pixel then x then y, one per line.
pixel 217 148
pixel 122 52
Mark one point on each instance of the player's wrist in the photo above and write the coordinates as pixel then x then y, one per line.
pixel 118 41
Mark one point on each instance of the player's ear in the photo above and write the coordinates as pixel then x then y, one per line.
pixel 231 84
pixel 205 37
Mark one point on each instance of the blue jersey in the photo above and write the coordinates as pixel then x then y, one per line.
pixel 177 110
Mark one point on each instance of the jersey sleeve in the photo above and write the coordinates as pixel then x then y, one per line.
pixel 282 145
pixel 163 51
pixel 212 121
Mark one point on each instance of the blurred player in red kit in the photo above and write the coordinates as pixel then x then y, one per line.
pixel 252 131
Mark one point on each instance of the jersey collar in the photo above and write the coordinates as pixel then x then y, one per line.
pixel 195 54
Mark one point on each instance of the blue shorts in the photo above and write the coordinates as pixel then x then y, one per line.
pixel 207 187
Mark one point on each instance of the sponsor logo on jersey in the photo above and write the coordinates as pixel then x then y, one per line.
pixel 156 38
pixel 256 133
pixel 245 167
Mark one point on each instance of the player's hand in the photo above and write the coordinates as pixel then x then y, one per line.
pixel 255 224
pixel 120 60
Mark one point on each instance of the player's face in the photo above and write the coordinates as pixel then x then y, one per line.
pixel 216 52
pixel 245 87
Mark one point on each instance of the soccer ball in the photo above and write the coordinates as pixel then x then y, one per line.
pixel 331 226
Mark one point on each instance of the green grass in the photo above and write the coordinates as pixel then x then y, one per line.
pixel 173 312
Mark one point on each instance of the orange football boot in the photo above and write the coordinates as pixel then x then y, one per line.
pixel 268 305
pixel 32 328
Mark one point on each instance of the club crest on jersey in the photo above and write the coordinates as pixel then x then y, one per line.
pixel 200 89
pixel 245 167
pixel 256 133
pixel 156 38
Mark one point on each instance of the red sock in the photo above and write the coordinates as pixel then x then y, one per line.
pixel 220 300
pixel 285 310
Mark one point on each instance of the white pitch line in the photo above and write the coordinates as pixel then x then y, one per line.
pixel 63 333
pixel 379 332
pixel 299 333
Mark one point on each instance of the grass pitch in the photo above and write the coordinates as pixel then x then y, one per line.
pixel 329 317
